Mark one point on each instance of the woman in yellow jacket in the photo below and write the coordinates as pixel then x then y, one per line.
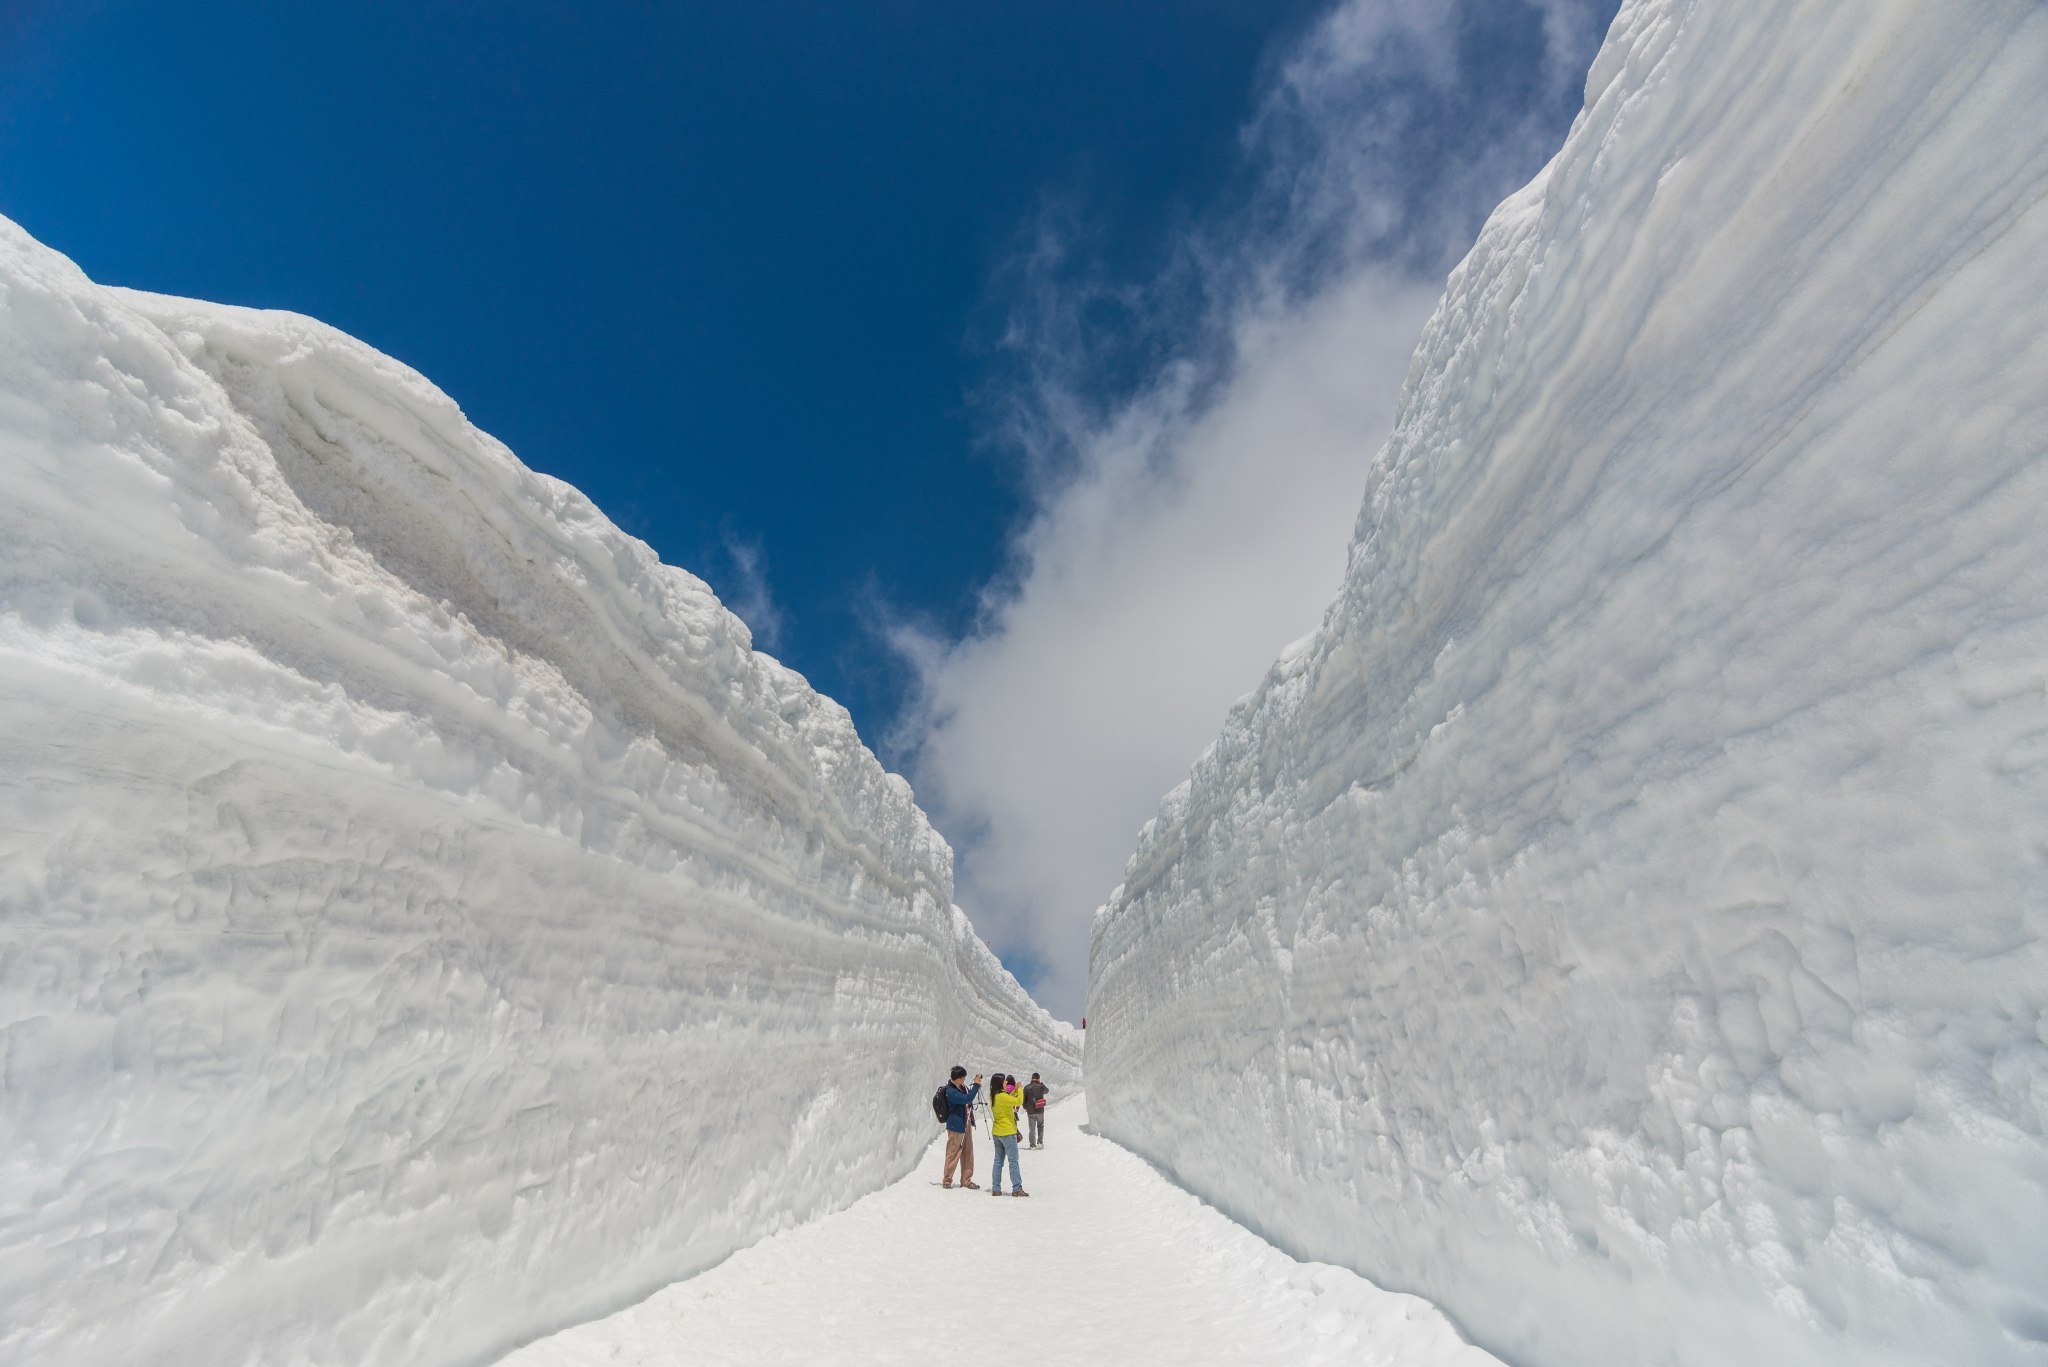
pixel 1004 1106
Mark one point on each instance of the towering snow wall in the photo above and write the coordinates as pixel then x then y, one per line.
pixel 1626 921
pixel 424 919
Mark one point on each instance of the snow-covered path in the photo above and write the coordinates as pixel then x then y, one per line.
pixel 1105 1263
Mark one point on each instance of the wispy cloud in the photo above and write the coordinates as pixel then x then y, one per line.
pixel 1197 444
pixel 749 596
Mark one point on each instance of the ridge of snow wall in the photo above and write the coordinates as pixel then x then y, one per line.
pixel 1626 922
pixel 425 921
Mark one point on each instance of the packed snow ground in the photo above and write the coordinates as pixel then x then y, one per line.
pixel 1626 921
pixel 425 920
pixel 1105 1264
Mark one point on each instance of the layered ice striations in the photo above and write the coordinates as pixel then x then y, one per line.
pixel 1626 922
pixel 424 919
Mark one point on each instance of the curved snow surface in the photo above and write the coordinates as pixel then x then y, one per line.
pixel 424 919
pixel 1625 922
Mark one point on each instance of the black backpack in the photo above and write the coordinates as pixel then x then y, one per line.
pixel 939 1106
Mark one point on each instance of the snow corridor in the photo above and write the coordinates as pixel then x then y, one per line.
pixel 1104 1263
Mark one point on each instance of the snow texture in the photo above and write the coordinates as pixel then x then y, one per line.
pixel 425 921
pixel 1625 922
pixel 1106 1264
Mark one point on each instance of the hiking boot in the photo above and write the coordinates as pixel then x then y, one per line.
pixel 1018 1192
pixel 995 1193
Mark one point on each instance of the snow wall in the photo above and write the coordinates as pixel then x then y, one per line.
pixel 424 919
pixel 1625 922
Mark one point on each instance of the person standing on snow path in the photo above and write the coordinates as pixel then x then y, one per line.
pixel 1035 1093
pixel 1005 1105
pixel 960 1143
pixel 995 1084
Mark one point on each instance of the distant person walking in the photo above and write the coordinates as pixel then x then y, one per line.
pixel 1035 1093
pixel 1004 1105
pixel 959 1141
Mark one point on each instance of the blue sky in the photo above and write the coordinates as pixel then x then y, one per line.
pixel 726 267
pixel 1013 368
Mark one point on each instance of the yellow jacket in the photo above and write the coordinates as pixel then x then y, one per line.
pixel 1005 1105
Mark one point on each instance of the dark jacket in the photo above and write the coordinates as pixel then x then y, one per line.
pixel 1034 1095
pixel 957 1102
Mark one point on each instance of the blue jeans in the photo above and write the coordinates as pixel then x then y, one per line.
pixel 1006 1145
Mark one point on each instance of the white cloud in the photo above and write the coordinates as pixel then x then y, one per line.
pixel 1189 526
pixel 750 598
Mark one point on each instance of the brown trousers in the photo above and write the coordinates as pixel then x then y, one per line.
pixel 960 1153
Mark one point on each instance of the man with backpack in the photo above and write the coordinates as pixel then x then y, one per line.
pixel 954 1104
pixel 1035 1093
